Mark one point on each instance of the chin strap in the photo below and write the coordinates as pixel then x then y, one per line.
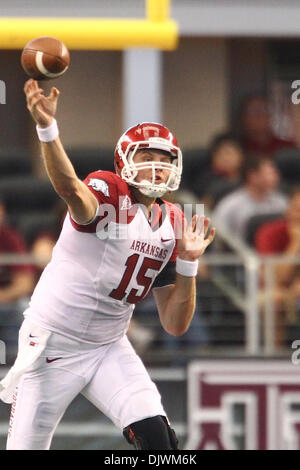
pixel 151 192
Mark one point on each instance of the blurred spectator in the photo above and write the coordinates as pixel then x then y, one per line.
pixel 258 195
pixel 41 249
pixel 283 237
pixel 224 174
pixel 257 136
pixel 226 157
pixel 16 281
pixel 44 241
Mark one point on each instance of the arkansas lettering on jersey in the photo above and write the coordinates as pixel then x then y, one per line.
pixel 99 270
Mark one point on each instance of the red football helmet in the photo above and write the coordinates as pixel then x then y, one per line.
pixel 154 136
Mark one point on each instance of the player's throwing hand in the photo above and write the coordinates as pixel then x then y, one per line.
pixel 193 241
pixel 42 108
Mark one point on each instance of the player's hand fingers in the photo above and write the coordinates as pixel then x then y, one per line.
pixel 191 226
pixel 27 85
pixel 35 102
pixel 54 94
pixel 211 236
pixel 30 85
pixel 34 84
pixel 188 233
pixel 206 225
pixel 32 95
pixel 193 223
pixel 200 226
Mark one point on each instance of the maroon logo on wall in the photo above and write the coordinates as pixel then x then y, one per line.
pixel 243 405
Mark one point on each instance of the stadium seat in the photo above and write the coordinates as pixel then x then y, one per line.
pixel 32 224
pixel 14 161
pixel 195 163
pixel 86 160
pixel 288 163
pixel 26 193
pixel 256 222
pixel 221 188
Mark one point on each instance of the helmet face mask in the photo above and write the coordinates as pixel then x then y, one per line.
pixel 142 137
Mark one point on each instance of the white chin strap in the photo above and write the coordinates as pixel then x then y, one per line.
pixel 150 192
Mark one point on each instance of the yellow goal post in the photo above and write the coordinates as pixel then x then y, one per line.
pixel 157 30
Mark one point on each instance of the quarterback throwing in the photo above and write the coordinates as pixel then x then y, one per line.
pixel 119 241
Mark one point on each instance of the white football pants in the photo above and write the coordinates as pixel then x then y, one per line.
pixel 112 377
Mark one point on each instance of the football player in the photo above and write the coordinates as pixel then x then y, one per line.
pixel 118 241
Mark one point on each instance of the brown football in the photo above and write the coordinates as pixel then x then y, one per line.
pixel 45 58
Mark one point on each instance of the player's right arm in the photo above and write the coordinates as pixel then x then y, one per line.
pixel 81 202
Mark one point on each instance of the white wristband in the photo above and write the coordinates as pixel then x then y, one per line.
pixel 48 134
pixel 187 268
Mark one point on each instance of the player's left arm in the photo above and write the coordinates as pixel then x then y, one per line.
pixel 176 303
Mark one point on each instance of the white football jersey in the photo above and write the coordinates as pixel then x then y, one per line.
pixel 99 271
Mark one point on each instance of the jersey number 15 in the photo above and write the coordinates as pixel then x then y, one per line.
pixel 148 263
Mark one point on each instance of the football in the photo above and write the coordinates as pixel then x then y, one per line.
pixel 45 58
